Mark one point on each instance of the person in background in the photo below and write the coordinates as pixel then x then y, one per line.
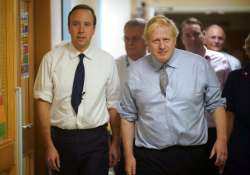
pixel 77 91
pixel 237 93
pixel 135 47
pixel 214 39
pixel 192 38
pixel 162 108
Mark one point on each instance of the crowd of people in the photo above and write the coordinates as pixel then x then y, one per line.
pixel 170 111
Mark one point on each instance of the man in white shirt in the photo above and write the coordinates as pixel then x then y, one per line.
pixel 135 49
pixel 214 39
pixel 134 44
pixel 192 38
pixel 77 90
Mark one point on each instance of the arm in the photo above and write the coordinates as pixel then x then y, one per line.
pixel 114 151
pixel 220 146
pixel 52 155
pixel 127 129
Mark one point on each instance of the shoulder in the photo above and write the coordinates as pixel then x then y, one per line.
pixel 140 67
pixel 57 52
pixel 229 56
pixel 234 77
pixel 101 54
pixel 218 60
pixel 232 59
pixel 237 73
pixel 139 70
pixel 61 47
pixel 100 57
pixel 140 64
pixel 120 60
pixel 215 55
pixel 187 57
pixel 189 63
pixel 180 52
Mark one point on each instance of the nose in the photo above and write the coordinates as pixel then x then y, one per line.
pixel 162 45
pixel 216 40
pixel 192 37
pixel 81 28
pixel 130 42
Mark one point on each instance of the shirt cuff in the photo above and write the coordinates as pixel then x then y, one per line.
pixel 43 96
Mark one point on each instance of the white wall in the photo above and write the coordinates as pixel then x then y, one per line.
pixel 113 15
pixel 200 6
pixel 56 23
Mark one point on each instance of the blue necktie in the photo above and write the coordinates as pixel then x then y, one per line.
pixel 76 96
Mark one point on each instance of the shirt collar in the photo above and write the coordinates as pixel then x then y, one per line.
pixel 74 53
pixel 129 60
pixel 172 62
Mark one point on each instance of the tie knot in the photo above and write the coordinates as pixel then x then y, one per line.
pixel 81 56
pixel 163 66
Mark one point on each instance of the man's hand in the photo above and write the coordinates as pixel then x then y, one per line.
pixel 220 150
pixel 114 153
pixel 130 165
pixel 114 147
pixel 53 158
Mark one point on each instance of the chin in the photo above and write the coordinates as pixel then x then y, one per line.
pixel 162 59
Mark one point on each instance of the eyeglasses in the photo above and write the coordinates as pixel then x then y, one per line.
pixel 193 34
pixel 133 39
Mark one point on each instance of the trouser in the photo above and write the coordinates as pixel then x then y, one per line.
pixel 82 152
pixel 175 160
pixel 120 166
pixel 238 162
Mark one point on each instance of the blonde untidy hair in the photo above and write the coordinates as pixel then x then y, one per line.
pixel 158 21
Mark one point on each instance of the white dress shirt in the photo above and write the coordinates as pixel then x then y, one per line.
pixel 234 62
pixel 101 87
pixel 122 65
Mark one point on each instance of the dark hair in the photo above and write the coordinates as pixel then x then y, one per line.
pixel 136 22
pixel 82 7
pixel 190 21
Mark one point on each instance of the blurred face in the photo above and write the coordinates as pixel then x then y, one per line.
pixel 214 38
pixel 192 37
pixel 161 43
pixel 81 28
pixel 134 43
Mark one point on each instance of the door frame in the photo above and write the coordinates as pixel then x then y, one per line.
pixel 8 145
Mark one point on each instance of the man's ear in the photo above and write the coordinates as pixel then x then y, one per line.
pixel 204 34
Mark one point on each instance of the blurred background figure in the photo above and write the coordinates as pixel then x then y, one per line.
pixel 134 45
pixel 214 39
pixel 237 93
pixel 135 49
